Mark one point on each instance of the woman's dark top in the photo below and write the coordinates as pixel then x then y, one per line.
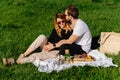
pixel 54 37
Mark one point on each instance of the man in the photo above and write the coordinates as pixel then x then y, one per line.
pixel 80 40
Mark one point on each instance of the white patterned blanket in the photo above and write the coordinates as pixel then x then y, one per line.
pixel 50 65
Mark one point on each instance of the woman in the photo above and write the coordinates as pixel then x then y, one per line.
pixel 60 31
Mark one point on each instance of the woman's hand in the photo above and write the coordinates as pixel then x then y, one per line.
pixel 48 47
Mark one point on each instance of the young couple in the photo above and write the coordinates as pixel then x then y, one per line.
pixel 69 32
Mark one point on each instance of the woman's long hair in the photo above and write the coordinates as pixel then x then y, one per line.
pixel 57 27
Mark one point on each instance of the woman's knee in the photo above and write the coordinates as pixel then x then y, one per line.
pixel 42 39
pixel 42 36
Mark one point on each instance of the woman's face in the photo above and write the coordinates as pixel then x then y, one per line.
pixel 61 22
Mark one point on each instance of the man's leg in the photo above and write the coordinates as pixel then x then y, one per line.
pixel 74 49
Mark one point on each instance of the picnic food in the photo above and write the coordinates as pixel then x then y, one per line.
pixel 86 58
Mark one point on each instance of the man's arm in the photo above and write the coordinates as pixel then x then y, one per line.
pixel 71 40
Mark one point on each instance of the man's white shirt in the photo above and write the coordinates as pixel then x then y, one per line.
pixel 81 29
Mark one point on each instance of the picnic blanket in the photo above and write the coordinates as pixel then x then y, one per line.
pixel 52 64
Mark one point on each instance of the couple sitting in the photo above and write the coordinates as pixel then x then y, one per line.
pixel 69 32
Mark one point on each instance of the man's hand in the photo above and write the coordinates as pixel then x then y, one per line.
pixel 60 43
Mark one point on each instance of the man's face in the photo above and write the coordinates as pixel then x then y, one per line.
pixel 67 16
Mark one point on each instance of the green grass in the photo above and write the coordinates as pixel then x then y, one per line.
pixel 21 21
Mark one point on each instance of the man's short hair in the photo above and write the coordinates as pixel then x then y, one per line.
pixel 72 11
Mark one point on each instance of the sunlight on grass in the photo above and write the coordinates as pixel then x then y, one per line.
pixel 21 21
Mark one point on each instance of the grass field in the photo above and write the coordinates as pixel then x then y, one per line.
pixel 21 21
